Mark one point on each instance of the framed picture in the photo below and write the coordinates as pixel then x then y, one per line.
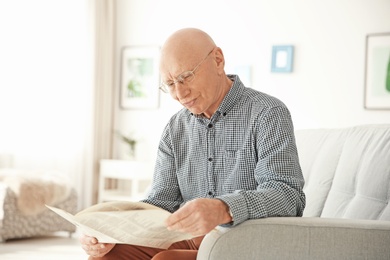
pixel 139 77
pixel 244 71
pixel 282 58
pixel 377 74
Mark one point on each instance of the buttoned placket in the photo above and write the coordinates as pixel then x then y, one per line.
pixel 210 137
pixel 210 154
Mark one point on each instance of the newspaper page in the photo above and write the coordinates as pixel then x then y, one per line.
pixel 123 222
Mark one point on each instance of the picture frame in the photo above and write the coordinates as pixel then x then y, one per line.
pixel 139 77
pixel 244 71
pixel 282 58
pixel 377 72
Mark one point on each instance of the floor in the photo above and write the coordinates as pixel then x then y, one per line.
pixel 58 246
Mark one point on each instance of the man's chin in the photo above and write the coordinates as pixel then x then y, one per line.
pixel 194 111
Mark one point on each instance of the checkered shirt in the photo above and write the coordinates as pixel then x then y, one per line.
pixel 244 155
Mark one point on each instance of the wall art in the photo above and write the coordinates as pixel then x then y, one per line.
pixel 139 77
pixel 377 73
pixel 282 58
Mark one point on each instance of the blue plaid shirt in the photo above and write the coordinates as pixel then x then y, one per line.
pixel 244 155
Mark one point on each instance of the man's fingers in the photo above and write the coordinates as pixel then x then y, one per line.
pixel 199 216
pixel 178 223
pixel 177 218
pixel 186 219
pixel 99 249
pixel 193 229
pixel 87 240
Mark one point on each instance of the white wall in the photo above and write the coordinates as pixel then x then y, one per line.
pixel 327 84
pixel 46 87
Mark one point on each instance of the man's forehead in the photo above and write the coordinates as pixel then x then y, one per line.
pixel 172 71
pixel 175 64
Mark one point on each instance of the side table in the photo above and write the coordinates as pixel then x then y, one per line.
pixel 124 180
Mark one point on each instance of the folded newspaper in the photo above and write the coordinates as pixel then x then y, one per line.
pixel 124 222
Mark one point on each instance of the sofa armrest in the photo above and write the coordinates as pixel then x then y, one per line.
pixel 299 238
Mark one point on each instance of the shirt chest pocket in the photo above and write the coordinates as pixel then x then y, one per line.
pixel 240 166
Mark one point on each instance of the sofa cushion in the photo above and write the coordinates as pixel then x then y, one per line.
pixel 347 171
pixel 361 185
pixel 319 151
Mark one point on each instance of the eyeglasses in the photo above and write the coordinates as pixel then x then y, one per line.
pixel 183 78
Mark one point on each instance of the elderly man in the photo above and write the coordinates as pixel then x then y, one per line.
pixel 228 156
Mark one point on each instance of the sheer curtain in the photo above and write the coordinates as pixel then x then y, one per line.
pixel 104 69
pixel 56 87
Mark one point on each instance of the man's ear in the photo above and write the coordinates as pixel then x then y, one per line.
pixel 219 59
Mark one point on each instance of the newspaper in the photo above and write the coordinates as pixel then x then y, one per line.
pixel 124 222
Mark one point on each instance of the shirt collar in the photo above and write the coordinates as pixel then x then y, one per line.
pixel 232 96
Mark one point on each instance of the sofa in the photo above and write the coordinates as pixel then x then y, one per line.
pixel 23 195
pixel 347 214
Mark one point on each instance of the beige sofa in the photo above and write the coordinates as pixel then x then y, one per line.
pixel 347 173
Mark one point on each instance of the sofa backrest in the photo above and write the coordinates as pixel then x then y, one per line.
pixel 347 171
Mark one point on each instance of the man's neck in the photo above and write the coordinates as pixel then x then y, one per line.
pixel 226 86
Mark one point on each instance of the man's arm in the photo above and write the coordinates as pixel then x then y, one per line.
pixel 278 173
pixel 165 192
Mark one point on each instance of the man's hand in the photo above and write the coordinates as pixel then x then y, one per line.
pixel 198 217
pixel 93 248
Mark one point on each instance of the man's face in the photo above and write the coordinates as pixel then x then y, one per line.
pixel 202 95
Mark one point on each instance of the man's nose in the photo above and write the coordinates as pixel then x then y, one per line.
pixel 182 90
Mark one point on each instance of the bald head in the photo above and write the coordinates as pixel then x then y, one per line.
pixel 185 46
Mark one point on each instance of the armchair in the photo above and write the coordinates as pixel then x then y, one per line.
pixel 347 216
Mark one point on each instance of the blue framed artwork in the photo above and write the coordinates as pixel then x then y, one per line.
pixel 282 58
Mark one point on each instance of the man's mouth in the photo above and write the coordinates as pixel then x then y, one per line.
pixel 189 103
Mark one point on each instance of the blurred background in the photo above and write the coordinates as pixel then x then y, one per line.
pixel 61 71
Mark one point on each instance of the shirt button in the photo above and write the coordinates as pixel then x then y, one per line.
pixel 224 114
pixel 210 159
pixel 210 193
pixel 210 125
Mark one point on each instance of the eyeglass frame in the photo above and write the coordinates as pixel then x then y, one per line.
pixel 166 88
